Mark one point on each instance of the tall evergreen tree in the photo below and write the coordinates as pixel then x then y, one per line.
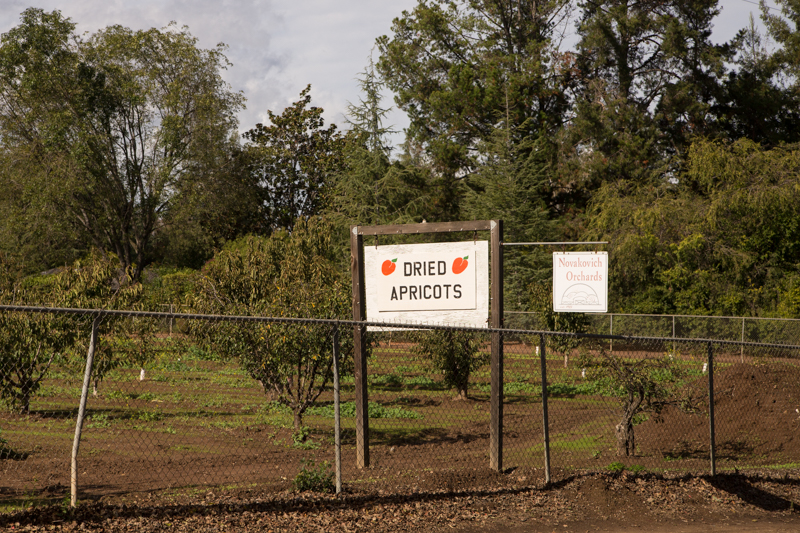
pixel 458 67
pixel 371 189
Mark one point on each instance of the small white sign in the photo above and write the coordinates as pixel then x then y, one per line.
pixel 428 283
pixel 580 282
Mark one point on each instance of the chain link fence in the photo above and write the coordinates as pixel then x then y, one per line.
pixel 742 329
pixel 214 403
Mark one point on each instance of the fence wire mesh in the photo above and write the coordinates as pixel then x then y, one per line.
pixel 179 400
pixel 742 329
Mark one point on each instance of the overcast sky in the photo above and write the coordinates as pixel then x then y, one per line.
pixel 277 47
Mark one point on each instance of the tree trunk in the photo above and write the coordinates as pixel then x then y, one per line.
pixel 25 396
pixel 626 441
pixel 298 425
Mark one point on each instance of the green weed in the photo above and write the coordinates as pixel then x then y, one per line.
pixel 314 478
pixel 99 421
pixel 616 467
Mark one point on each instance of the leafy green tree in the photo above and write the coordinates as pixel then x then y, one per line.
pixel 648 79
pixel 721 240
pixel 756 103
pixel 30 343
pixel 456 354
pixel 783 28
pixel 513 184
pixel 294 160
pixel 103 129
pixel 289 274
pixel 219 201
pixel 457 67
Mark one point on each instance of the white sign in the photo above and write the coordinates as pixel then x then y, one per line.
pixel 580 282
pixel 428 283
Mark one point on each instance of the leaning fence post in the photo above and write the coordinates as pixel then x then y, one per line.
pixel 545 418
pixel 336 420
pixel 87 376
pixel 712 429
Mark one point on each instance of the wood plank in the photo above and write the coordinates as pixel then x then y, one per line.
pixel 359 344
pixel 496 394
pixel 429 227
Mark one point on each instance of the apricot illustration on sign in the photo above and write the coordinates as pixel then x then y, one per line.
pixel 460 264
pixel 388 266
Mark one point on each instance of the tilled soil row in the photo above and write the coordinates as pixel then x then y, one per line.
pixel 582 502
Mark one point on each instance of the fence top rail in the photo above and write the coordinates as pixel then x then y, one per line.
pixel 387 325
pixel 672 316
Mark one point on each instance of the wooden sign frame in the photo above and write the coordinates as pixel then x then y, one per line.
pixel 495 227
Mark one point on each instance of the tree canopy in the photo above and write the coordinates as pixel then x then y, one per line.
pixel 105 128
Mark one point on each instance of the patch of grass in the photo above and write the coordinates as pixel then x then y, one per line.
pixel 616 467
pixel 512 388
pixel 225 424
pixel 147 416
pixel 421 381
pixel 173 366
pixel 375 410
pixel 387 380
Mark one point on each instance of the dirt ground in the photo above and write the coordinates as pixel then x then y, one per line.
pixel 428 474
pixel 757 501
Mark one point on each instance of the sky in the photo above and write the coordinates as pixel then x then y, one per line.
pixel 277 47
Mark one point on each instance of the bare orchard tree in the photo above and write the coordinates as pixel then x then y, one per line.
pixel 643 385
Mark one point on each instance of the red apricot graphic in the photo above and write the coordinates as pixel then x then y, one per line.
pixel 388 266
pixel 460 264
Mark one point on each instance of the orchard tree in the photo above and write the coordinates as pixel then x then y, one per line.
pixel 30 342
pixel 289 274
pixel 541 302
pixel 456 354
pixel 643 386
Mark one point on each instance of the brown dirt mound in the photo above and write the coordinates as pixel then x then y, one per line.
pixel 757 419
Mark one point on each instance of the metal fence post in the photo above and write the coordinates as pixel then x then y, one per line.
pixel 87 377
pixel 712 428
pixel 673 334
pixel 336 420
pixel 545 418
pixel 742 347
pixel 611 332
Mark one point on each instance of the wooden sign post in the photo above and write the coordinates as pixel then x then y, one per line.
pixel 495 227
